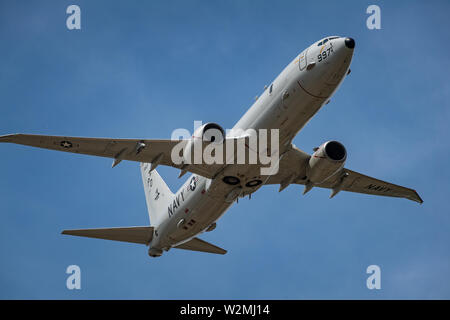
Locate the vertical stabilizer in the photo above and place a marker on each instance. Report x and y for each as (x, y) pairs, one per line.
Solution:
(157, 194)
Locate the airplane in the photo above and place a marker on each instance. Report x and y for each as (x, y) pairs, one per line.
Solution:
(292, 99)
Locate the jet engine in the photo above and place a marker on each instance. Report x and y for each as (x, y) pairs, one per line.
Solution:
(326, 161)
(207, 133)
(210, 132)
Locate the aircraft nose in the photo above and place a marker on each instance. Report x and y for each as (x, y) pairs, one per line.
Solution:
(326, 65)
(349, 43)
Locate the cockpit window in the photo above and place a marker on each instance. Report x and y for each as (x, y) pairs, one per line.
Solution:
(325, 41)
(270, 89)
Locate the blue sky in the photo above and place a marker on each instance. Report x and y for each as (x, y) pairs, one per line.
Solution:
(141, 69)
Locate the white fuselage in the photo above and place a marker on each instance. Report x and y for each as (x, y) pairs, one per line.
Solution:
(294, 97)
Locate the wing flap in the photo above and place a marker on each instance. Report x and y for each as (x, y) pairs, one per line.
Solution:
(141, 235)
(197, 244)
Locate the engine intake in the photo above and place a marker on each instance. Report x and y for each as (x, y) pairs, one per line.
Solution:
(326, 161)
(335, 151)
(209, 133)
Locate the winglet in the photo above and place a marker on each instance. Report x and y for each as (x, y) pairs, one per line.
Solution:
(416, 197)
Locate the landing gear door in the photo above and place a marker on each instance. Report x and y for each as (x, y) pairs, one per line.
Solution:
(302, 60)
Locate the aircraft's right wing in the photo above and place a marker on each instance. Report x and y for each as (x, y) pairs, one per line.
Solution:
(197, 244)
(293, 170)
(360, 183)
(141, 150)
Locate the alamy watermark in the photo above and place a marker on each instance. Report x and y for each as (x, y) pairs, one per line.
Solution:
(374, 20)
(74, 279)
(73, 22)
(210, 144)
(374, 280)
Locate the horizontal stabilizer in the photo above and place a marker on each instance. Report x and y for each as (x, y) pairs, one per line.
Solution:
(197, 244)
(141, 235)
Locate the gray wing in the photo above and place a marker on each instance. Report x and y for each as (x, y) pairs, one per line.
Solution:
(293, 170)
(140, 150)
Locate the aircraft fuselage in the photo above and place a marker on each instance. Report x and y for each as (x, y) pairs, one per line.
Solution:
(288, 103)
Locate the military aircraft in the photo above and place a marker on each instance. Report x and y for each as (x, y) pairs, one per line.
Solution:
(292, 99)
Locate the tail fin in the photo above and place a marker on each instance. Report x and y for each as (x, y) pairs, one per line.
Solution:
(157, 194)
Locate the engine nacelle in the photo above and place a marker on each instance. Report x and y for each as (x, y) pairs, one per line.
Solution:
(207, 133)
(327, 160)
(210, 132)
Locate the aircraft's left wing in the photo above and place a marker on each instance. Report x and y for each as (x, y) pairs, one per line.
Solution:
(293, 170)
(141, 150)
